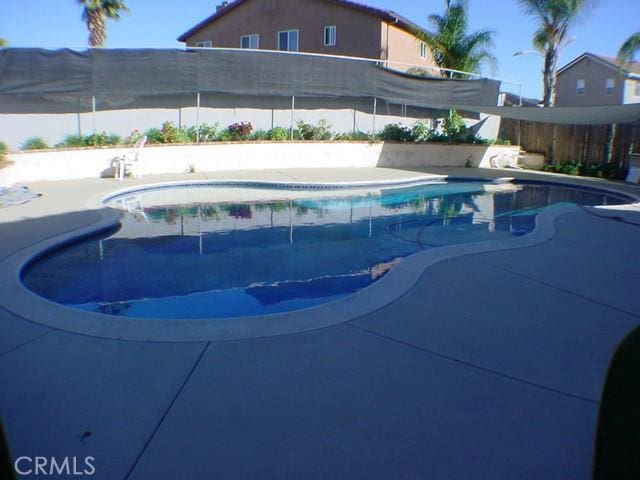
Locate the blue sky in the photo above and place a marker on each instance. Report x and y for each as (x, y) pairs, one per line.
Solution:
(153, 23)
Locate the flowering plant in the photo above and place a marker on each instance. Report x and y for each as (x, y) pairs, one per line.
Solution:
(240, 130)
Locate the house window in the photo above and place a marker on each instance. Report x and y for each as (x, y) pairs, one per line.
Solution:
(637, 92)
(423, 50)
(329, 36)
(204, 44)
(580, 84)
(250, 41)
(609, 85)
(288, 40)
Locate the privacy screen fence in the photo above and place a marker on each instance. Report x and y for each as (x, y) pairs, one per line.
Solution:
(69, 81)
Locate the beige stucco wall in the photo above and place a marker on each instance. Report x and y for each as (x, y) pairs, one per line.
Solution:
(595, 75)
(404, 48)
(357, 33)
(96, 163)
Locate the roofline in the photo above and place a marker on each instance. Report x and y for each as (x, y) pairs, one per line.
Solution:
(385, 15)
(599, 59)
(219, 13)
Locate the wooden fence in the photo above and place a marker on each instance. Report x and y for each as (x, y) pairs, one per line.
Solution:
(591, 145)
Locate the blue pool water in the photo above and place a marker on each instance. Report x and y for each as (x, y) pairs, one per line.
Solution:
(214, 251)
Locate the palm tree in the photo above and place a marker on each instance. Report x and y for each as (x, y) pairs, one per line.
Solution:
(96, 13)
(556, 18)
(452, 46)
(629, 48)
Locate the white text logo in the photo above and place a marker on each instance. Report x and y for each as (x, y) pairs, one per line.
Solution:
(55, 466)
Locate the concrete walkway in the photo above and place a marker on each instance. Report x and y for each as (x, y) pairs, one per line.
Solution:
(491, 366)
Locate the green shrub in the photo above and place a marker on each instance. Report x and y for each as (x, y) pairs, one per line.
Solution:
(420, 132)
(102, 139)
(567, 168)
(72, 140)
(497, 141)
(224, 136)
(394, 132)
(453, 125)
(172, 134)
(34, 143)
(154, 135)
(307, 131)
(278, 134)
(353, 136)
(94, 140)
(3, 153)
(133, 137)
(208, 133)
(259, 135)
(169, 133)
(607, 170)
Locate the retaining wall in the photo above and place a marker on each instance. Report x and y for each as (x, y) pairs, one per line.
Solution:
(95, 163)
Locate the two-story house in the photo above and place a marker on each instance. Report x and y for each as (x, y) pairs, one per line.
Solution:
(594, 80)
(333, 27)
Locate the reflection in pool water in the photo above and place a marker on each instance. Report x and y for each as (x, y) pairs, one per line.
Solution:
(198, 253)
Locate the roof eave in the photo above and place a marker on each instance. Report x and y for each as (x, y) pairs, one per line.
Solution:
(209, 19)
(597, 58)
(385, 15)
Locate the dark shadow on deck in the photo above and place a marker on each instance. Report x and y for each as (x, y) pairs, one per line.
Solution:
(618, 439)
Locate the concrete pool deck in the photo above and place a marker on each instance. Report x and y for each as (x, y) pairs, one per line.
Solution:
(491, 366)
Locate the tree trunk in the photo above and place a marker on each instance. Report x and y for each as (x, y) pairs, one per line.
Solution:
(97, 28)
(610, 153)
(550, 76)
(549, 99)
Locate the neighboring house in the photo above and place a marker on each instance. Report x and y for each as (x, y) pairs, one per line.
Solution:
(592, 80)
(508, 99)
(334, 27)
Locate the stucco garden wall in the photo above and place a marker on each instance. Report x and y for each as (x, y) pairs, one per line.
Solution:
(95, 163)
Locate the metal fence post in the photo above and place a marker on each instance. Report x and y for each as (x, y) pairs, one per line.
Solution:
(373, 128)
(293, 108)
(78, 119)
(198, 117)
(93, 113)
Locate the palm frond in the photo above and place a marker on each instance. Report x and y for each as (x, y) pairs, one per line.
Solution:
(112, 8)
(629, 48)
(540, 39)
(451, 44)
(481, 38)
(438, 22)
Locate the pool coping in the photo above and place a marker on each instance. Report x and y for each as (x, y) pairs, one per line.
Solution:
(20, 301)
(292, 185)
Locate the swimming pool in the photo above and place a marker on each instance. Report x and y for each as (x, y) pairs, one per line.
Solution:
(189, 252)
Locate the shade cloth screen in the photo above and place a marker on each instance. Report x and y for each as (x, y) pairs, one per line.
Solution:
(65, 81)
(68, 81)
(603, 115)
